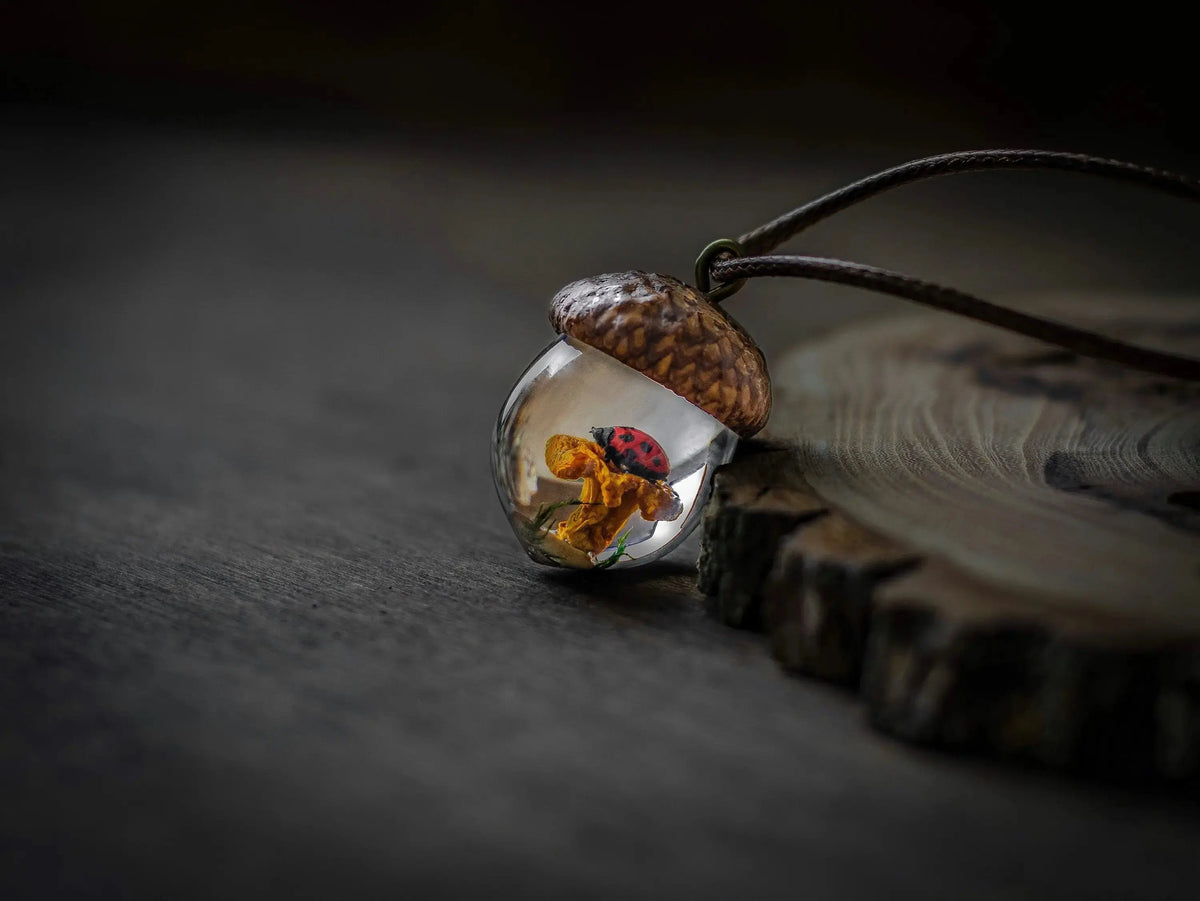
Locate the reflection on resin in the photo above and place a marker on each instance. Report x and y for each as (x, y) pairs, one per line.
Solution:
(625, 494)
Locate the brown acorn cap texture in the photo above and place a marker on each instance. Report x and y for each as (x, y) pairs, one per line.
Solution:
(673, 334)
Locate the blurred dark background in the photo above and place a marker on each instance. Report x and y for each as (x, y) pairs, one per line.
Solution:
(860, 73)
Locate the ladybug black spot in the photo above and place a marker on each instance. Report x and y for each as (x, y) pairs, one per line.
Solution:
(647, 447)
(657, 461)
(627, 437)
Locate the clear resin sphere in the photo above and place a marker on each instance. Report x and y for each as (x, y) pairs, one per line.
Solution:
(598, 465)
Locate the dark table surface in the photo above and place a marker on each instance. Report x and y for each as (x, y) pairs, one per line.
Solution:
(264, 629)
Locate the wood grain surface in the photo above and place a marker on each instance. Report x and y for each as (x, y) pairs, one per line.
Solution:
(999, 539)
(264, 629)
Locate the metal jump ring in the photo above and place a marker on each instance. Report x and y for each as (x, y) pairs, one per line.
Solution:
(723, 246)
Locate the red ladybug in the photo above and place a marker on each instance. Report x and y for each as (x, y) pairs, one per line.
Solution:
(632, 450)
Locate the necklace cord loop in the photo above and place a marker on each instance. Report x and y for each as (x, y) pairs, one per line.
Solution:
(720, 250)
(730, 263)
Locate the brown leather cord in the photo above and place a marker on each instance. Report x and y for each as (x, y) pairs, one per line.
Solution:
(771, 235)
(1077, 340)
(728, 267)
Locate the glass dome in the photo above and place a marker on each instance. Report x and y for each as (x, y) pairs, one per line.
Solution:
(599, 466)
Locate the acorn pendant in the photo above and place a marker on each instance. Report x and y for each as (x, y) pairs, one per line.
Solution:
(605, 449)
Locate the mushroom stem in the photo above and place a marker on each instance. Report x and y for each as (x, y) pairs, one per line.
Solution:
(608, 497)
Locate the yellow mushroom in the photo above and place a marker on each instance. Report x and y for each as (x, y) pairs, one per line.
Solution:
(608, 497)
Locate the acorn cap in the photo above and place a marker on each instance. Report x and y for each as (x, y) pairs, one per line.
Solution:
(673, 334)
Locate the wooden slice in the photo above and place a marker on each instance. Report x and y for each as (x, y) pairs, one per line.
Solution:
(997, 541)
